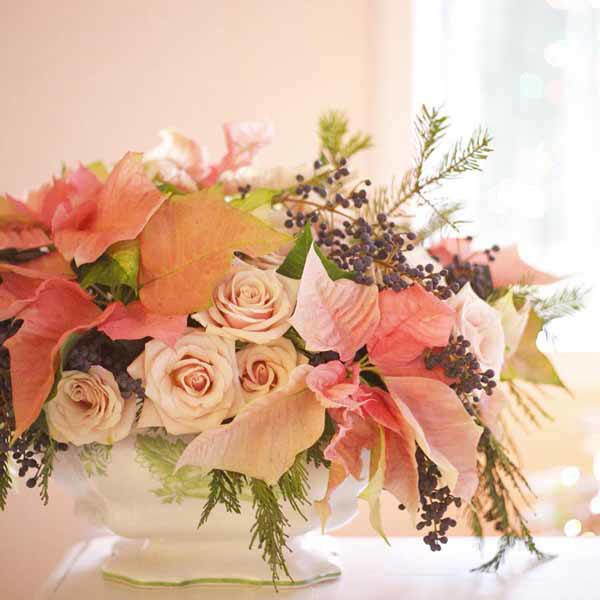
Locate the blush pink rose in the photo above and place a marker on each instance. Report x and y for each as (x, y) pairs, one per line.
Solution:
(481, 324)
(334, 384)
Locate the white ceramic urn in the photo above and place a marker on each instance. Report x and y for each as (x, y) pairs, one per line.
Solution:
(131, 489)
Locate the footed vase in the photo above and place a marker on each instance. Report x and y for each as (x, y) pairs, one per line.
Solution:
(131, 490)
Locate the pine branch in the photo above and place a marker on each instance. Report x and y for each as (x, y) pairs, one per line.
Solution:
(333, 129)
(6, 429)
(562, 303)
(430, 128)
(225, 488)
(441, 217)
(268, 531)
(527, 403)
(494, 501)
(293, 486)
(46, 469)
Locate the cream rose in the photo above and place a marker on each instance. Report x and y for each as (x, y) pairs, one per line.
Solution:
(479, 323)
(88, 407)
(265, 368)
(252, 305)
(191, 386)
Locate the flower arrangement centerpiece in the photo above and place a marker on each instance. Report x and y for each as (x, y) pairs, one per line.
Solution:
(195, 342)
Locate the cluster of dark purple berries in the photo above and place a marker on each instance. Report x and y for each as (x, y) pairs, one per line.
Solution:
(435, 502)
(29, 449)
(461, 272)
(461, 365)
(95, 348)
(28, 452)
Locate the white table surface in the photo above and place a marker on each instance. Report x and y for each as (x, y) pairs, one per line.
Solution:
(407, 570)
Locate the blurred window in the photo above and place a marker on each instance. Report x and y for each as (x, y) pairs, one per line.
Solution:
(530, 72)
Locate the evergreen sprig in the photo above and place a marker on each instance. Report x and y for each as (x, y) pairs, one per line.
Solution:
(418, 182)
(444, 215)
(335, 145)
(499, 479)
(268, 532)
(6, 429)
(225, 488)
(562, 303)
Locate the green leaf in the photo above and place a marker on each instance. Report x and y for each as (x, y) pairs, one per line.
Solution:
(118, 267)
(168, 189)
(255, 199)
(528, 363)
(95, 459)
(160, 455)
(99, 169)
(293, 265)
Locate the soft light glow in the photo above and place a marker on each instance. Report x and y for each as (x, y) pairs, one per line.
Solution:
(570, 476)
(597, 466)
(588, 534)
(572, 528)
(595, 505)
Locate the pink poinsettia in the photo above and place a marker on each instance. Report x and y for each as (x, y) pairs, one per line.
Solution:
(507, 268)
(114, 212)
(411, 320)
(334, 315)
(58, 309)
(333, 385)
(134, 322)
(19, 227)
(265, 438)
(21, 281)
(182, 162)
(415, 411)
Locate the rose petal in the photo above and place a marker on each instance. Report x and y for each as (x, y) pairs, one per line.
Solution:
(119, 212)
(58, 309)
(262, 441)
(333, 315)
(443, 429)
(133, 322)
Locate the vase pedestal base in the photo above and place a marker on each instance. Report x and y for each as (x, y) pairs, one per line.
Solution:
(183, 563)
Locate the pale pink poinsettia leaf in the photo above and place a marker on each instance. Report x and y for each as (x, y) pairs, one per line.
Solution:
(244, 140)
(353, 435)
(508, 268)
(445, 250)
(59, 309)
(333, 315)
(443, 429)
(23, 238)
(181, 152)
(19, 227)
(134, 321)
(119, 212)
(333, 385)
(336, 476)
(263, 440)
(21, 281)
(411, 320)
(401, 473)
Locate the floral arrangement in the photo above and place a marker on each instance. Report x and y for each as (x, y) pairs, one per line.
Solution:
(284, 318)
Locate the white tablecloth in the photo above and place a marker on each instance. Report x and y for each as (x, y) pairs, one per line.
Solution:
(407, 570)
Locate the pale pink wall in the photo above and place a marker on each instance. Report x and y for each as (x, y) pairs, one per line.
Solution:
(87, 80)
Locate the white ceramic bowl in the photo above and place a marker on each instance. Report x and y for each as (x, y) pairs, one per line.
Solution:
(133, 493)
